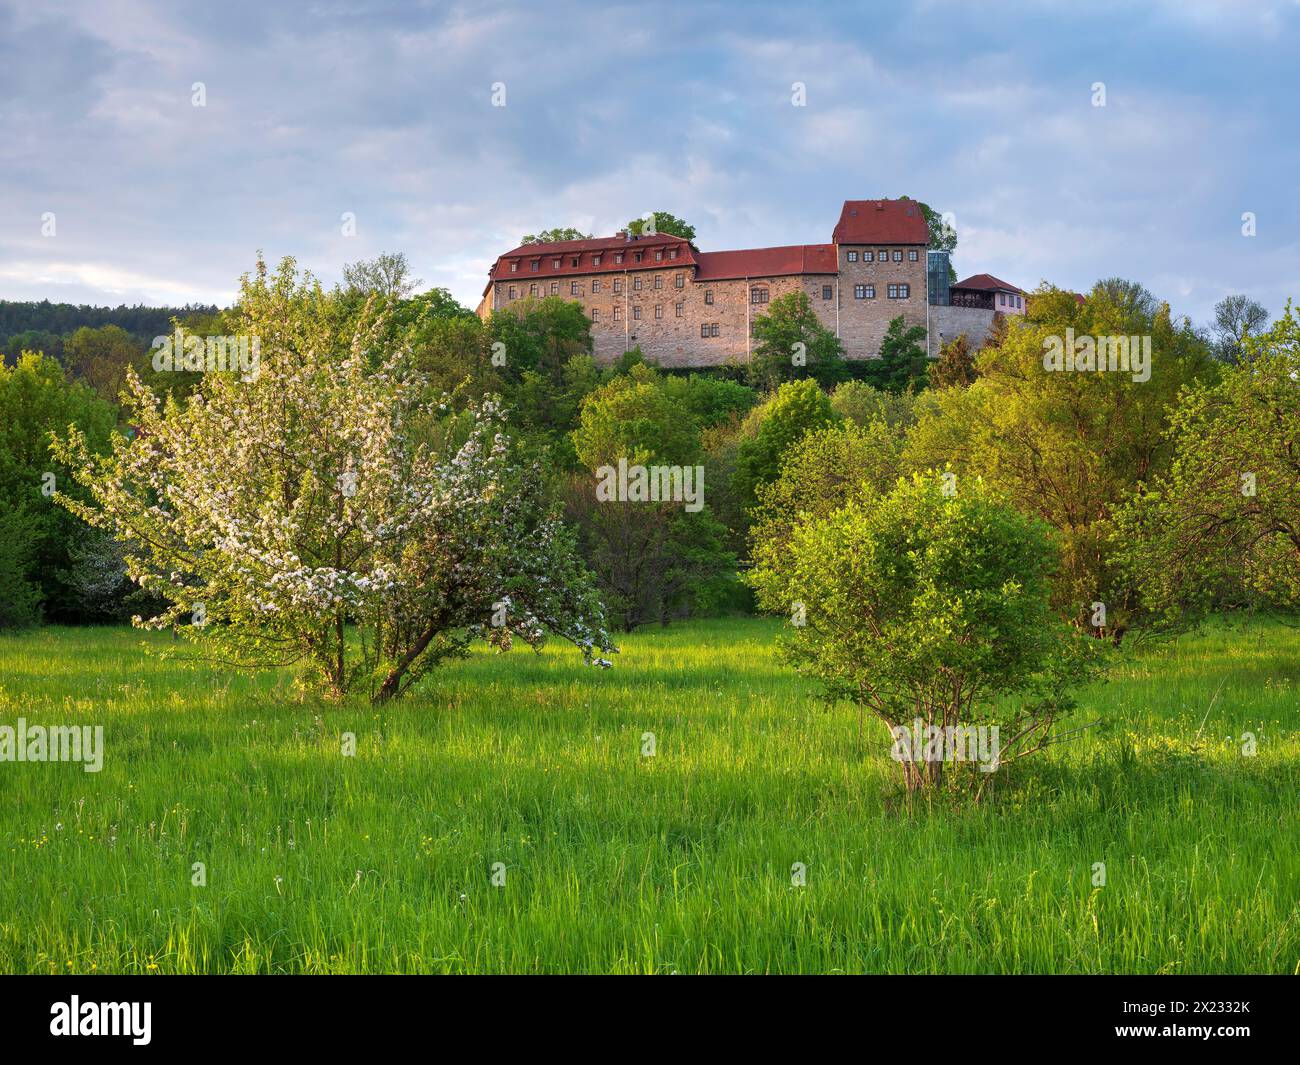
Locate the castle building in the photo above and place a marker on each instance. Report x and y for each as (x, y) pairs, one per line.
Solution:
(685, 307)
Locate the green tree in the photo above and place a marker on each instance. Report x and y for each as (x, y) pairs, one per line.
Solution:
(825, 470)
(791, 342)
(1068, 447)
(797, 408)
(100, 357)
(903, 365)
(863, 404)
(539, 335)
(1221, 527)
(554, 236)
(923, 607)
(387, 275)
(663, 222)
(37, 401)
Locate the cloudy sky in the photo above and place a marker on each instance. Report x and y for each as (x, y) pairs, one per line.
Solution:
(385, 111)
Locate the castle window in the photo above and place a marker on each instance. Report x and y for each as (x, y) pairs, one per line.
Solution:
(576, 259)
(827, 292)
(555, 288)
(618, 257)
(532, 289)
(595, 260)
(672, 253)
(853, 257)
(618, 312)
(680, 281)
(659, 255)
(512, 292)
(595, 314)
(704, 329)
(681, 308)
(636, 284)
(898, 256)
(636, 313)
(868, 256)
(714, 329)
(555, 263)
(514, 266)
(708, 296)
(573, 289)
(912, 255)
(900, 292)
(883, 255)
(659, 280)
(595, 285)
(758, 295)
(618, 285)
(659, 310)
(859, 292)
(534, 265)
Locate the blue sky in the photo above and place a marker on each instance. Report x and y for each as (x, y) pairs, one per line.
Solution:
(385, 111)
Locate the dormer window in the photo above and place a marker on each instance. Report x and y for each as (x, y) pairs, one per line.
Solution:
(514, 266)
(659, 255)
(618, 257)
(555, 263)
(576, 259)
(672, 253)
(637, 256)
(535, 264)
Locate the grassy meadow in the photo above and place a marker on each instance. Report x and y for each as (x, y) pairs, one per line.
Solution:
(614, 861)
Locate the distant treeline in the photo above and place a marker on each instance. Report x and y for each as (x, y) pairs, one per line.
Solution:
(42, 325)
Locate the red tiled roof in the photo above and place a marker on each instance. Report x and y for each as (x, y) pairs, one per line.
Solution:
(766, 262)
(584, 250)
(881, 222)
(987, 283)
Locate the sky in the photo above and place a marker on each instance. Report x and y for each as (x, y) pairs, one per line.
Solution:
(116, 188)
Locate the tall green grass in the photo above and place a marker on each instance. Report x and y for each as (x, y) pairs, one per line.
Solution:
(618, 862)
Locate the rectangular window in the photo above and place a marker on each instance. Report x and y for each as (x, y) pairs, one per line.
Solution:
(708, 296)
(636, 256)
(595, 314)
(595, 260)
(512, 291)
(618, 257)
(575, 260)
(827, 292)
(595, 285)
(636, 313)
(534, 265)
(681, 309)
(1002, 299)
(898, 256)
(853, 257)
(618, 313)
(912, 255)
(573, 289)
(758, 295)
(514, 268)
(714, 329)
(882, 255)
(1018, 303)
(868, 256)
(555, 263)
(680, 281)
(900, 292)
(555, 288)
(672, 253)
(618, 285)
(659, 280)
(636, 284)
(532, 290)
(659, 255)
(859, 292)
(704, 329)
(893, 292)
(659, 310)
